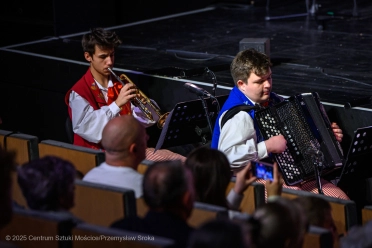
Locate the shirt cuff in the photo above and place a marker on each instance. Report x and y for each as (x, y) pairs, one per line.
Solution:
(234, 200)
(114, 108)
(273, 198)
(261, 150)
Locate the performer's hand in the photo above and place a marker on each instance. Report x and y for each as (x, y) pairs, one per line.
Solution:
(276, 144)
(337, 131)
(244, 179)
(274, 187)
(127, 93)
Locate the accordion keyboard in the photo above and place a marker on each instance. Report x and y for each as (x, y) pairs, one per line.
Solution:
(287, 120)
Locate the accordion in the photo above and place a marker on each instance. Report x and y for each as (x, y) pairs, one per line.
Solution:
(304, 123)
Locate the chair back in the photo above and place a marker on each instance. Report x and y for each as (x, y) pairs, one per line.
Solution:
(141, 207)
(142, 167)
(25, 146)
(204, 212)
(102, 204)
(17, 194)
(83, 158)
(29, 228)
(318, 237)
(366, 214)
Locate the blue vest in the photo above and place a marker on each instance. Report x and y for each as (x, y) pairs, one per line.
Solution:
(236, 97)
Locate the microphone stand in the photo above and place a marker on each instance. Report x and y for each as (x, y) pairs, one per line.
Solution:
(317, 167)
(214, 79)
(317, 157)
(206, 113)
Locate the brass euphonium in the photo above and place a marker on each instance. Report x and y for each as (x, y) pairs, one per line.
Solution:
(143, 102)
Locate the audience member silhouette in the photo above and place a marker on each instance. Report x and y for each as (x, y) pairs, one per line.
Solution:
(212, 175)
(48, 184)
(218, 233)
(125, 141)
(319, 213)
(278, 224)
(168, 192)
(358, 237)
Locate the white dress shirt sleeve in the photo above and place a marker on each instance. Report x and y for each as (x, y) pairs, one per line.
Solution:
(238, 140)
(87, 122)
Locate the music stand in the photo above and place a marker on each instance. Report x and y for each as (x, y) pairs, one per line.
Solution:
(187, 123)
(360, 152)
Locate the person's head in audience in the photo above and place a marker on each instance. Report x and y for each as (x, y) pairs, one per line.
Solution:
(48, 183)
(278, 224)
(168, 187)
(218, 233)
(212, 174)
(7, 164)
(358, 236)
(319, 213)
(125, 141)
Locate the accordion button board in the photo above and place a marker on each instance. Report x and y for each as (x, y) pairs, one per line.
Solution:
(310, 139)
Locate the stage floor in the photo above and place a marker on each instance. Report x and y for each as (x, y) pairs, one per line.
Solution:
(328, 52)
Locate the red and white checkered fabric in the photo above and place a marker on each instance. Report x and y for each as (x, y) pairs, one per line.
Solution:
(162, 155)
(329, 189)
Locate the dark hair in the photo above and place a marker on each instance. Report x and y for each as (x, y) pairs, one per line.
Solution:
(315, 208)
(358, 236)
(7, 165)
(278, 224)
(47, 183)
(248, 61)
(217, 233)
(106, 39)
(212, 174)
(164, 184)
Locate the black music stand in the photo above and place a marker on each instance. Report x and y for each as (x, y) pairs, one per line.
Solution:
(360, 152)
(187, 123)
(356, 171)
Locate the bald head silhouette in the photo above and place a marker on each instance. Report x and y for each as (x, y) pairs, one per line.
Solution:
(125, 141)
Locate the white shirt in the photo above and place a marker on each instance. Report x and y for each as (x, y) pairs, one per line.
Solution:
(238, 140)
(124, 177)
(89, 123)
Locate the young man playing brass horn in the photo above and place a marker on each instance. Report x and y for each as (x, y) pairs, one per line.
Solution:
(99, 97)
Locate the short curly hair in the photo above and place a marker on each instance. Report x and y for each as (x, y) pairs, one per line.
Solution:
(102, 38)
(45, 181)
(248, 61)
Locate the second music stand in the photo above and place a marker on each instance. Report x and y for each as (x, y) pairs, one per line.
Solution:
(360, 153)
(187, 123)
